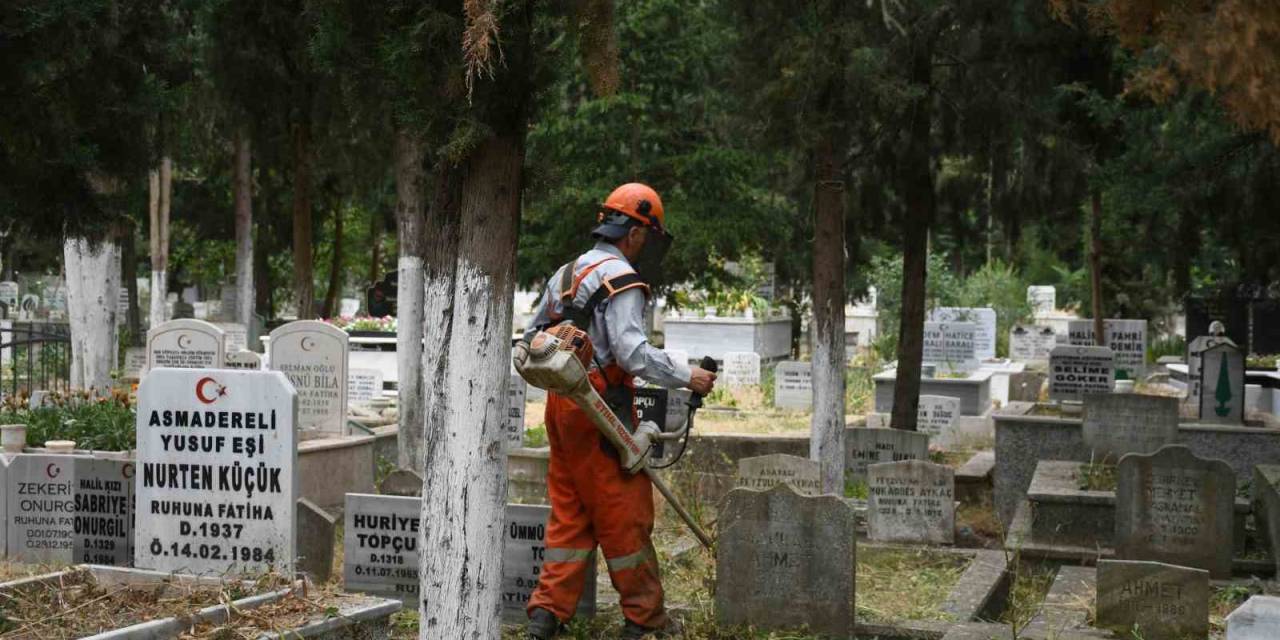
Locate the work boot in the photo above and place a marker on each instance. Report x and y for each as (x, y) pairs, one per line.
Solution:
(633, 631)
(542, 625)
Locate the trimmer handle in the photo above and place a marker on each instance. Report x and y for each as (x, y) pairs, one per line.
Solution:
(695, 398)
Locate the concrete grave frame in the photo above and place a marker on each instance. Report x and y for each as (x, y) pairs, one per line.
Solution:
(714, 336)
(974, 391)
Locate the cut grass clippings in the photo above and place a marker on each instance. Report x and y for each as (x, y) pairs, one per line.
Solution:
(1031, 583)
(905, 584)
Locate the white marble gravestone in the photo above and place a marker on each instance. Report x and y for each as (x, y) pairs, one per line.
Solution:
(1043, 299)
(793, 385)
(937, 417)
(244, 360)
(134, 365)
(984, 321)
(380, 545)
(313, 355)
(523, 552)
(1257, 619)
(911, 501)
(237, 334)
(1221, 398)
(1126, 338)
(1031, 343)
(40, 496)
(741, 368)
(1076, 371)
(186, 344)
(216, 482)
(363, 386)
(951, 345)
(104, 510)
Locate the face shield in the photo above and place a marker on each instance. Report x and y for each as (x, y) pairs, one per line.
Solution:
(649, 263)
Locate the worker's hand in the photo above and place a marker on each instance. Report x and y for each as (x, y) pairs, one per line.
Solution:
(702, 381)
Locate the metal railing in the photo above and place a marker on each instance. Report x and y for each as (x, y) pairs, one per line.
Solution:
(34, 356)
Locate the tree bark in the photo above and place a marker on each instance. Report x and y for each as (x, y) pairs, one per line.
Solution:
(159, 192)
(334, 291)
(1095, 266)
(93, 287)
(303, 284)
(375, 256)
(464, 488)
(242, 187)
(826, 439)
(412, 240)
(129, 277)
(920, 204)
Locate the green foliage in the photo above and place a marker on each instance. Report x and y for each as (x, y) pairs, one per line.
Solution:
(885, 274)
(997, 285)
(1171, 345)
(103, 425)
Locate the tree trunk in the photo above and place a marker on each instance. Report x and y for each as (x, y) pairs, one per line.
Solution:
(263, 301)
(159, 192)
(920, 204)
(464, 489)
(129, 276)
(1095, 267)
(439, 265)
(242, 187)
(334, 291)
(303, 284)
(412, 240)
(93, 287)
(826, 438)
(375, 256)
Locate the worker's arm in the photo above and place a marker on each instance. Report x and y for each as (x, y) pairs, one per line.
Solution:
(546, 304)
(624, 321)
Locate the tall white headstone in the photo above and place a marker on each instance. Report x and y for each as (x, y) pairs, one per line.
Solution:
(1076, 371)
(984, 330)
(363, 386)
(40, 497)
(380, 545)
(314, 356)
(186, 344)
(793, 385)
(104, 510)
(741, 368)
(216, 482)
(950, 345)
(1028, 343)
(523, 552)
(1126, 338)
(1043, 299)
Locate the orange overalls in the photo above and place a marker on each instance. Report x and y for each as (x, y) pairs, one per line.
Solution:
(594, 501)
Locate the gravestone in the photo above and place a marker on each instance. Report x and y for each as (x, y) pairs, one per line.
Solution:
(1221, 385)
(104, 510)
(216, 478)
(937, 417)
(1043, 299)
(523, 552)
(1120, 423)
(1031, 343)
(41, 509)
(237, 334)
(741, 368)
(1161, 601)
(244, 360)
(1257, 619)
(911, 501)
(1266, 507)
(9, 297)
(1025, 386)
(314, 356)
(793, 385)
(380, 546)
(950, 345)
(864, 446)
(135, 364)
(763, 472)
(28, 308)
(363, 386)
(1127, 339)
(1194, 351)
(403, 483)
(784, 561)
(1076, 371)
(513, 435)
(185, 344)
(984, 321)
(1174, 507)
(317, 530)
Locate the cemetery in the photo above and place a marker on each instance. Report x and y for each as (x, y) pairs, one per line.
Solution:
(645, 320)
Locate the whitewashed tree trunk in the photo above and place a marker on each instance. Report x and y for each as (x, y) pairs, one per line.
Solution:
(411, 229)
(243, 187)
(159, 192)
(826, 439)
(93, 286)
(464, 489)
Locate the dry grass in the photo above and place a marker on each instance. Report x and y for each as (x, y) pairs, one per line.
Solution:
(294, 610)
(1031, 583)
(905, 584)
(1097, 476)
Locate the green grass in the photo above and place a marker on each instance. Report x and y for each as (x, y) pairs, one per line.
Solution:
(104, 424)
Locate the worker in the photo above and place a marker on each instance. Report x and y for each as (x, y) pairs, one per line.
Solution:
(593, 499)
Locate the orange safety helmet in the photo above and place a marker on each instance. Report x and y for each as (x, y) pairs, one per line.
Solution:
(638, 201)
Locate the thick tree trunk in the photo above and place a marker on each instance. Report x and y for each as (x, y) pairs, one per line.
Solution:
(303, 284)
(464, 488)
(412, 239)
(439, 265)
(129, 278)
(242, 187)
(826, 438)
(160, 189)
(1095, 266)
(93, 287)
(334, 291)
(920, 203)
